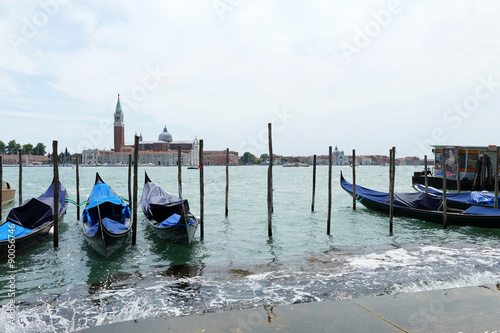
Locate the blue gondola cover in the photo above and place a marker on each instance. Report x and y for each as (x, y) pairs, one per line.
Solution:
(478, 210)
(483, 198)
(13, 230)
(109, 203)
(111, 225)
(405, 200)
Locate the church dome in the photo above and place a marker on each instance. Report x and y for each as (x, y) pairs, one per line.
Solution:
(165, 136)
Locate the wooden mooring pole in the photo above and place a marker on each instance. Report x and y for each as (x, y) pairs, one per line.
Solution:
(270, 184)
(1, 186)
(227, 182)
(179, 171)
(354, 179)
(392, 176)
(443, 168)
(496, 177)
(134, 200)
(130, 180)
(457, 159)
(314, 183)
(329, 219)
(77, 190)
(56, 193)
(20, 178)
(202, 191)
(425, 175)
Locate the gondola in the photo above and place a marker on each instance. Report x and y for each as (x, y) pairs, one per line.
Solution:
(424, 207)
(462, 200)
(106, 219)
(30, 223)
(171, 220)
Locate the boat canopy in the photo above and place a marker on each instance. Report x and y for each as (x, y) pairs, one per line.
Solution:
(36, 211)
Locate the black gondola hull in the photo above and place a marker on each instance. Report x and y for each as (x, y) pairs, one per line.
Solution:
(106, 242)
(179, 234)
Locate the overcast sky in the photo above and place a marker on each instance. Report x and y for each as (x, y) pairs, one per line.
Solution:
(364, 75)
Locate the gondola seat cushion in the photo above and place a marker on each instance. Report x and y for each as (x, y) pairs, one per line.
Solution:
(173, 220)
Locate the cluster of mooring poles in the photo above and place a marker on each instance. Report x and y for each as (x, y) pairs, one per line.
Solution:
(133, 193)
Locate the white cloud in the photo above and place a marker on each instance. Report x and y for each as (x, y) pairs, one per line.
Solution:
(226, 76)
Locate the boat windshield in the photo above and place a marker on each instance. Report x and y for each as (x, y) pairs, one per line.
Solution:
(5, 185)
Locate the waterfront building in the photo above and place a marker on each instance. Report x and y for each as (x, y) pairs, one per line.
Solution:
(163, 151)
(219, 157)
(338, 157)
(27, 159)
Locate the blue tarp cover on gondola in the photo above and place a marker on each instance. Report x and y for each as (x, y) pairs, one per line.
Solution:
(475, 197)
(110, 205)
(417, 200)
(111, 225)
(13, 230)
(410, 200)
(173, 220)
(102, 192)
(36, 211)
(365, 192)
(478, 210)
(483, 198)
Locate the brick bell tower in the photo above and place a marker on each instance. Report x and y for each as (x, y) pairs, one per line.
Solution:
(119, 126)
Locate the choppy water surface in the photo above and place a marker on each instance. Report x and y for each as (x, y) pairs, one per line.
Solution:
(237, 266)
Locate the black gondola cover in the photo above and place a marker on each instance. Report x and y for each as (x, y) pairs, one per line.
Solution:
(36, 211)
(159, 203)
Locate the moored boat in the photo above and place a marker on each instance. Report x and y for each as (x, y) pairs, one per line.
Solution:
(422, 206)
(167, 214)
(470, 167)
(106, 219)
(30, 223)
(8, 193)
(295, 165)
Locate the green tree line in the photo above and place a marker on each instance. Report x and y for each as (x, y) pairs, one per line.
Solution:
(249, 158)
(13, 148)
